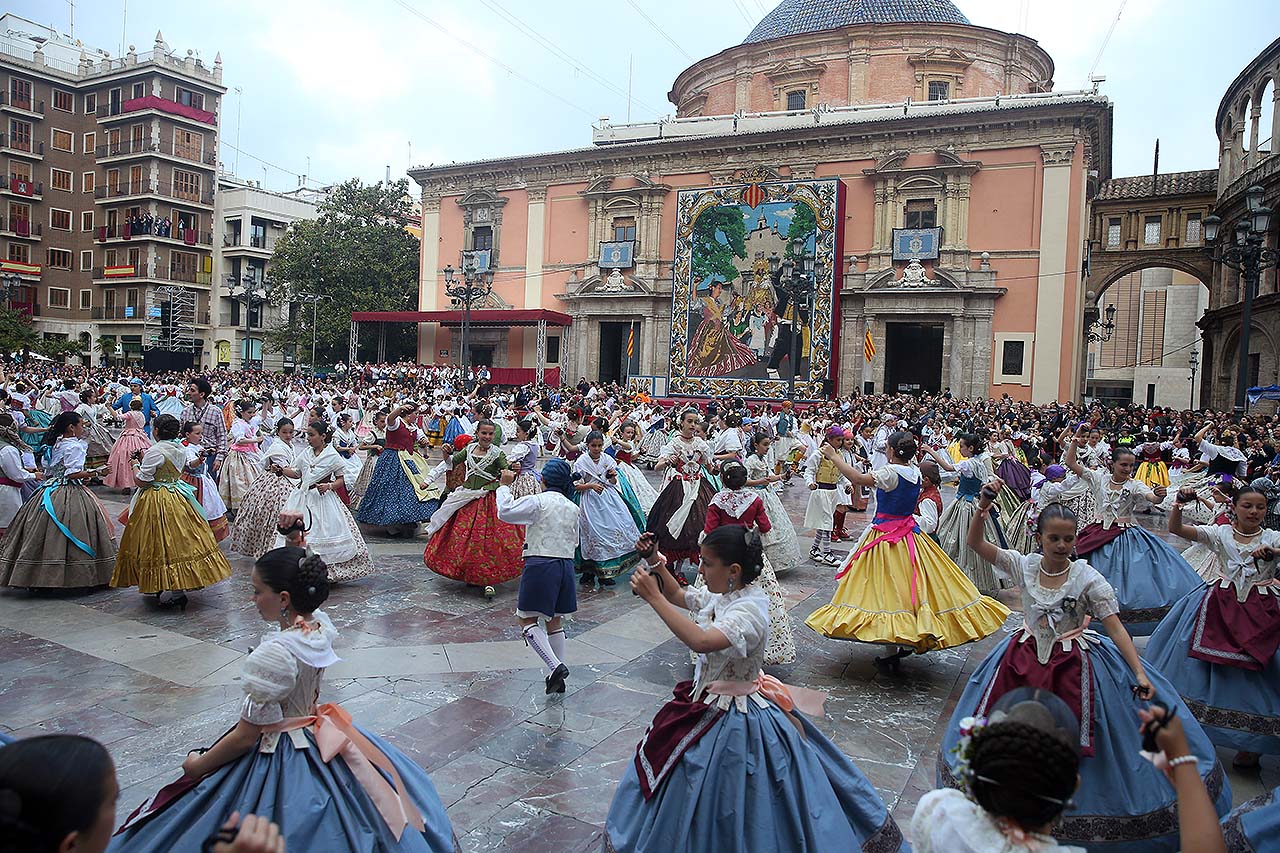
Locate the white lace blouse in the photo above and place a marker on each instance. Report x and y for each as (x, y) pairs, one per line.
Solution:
(1239, 569)
(1116, 505)
(1052, 613)
(281, 677)
(743, 617)
(946, 821)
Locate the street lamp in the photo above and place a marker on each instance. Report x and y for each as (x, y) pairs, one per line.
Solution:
(1100, 332)
(476, 285)
(315, 310)
(250, 297)
(1249, 256)
(1193, 362)
(796, 274)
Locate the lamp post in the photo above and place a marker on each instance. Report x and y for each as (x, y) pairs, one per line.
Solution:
(1249, 256)
(9, 283)
(475, 286)
(1193, 362)
(315, 311)
(1100, 332)
(250, 297)
(797, 275)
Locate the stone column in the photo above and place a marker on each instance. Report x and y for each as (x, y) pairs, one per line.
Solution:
(428, 283)
(1053, 279)
(535, 242)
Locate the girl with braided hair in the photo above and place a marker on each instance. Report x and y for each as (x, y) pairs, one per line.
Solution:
(732, 761)
(271, 762)
(1123, 803)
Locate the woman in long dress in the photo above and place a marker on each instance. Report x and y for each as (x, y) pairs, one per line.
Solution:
(254, 531)
(399, 493)
(167, 545)
(524, 454)
(1220, 644)
(13, 475)
(132, 441)
(347, 443)
(95, 430)
(626, 445)
(680, 512)
(1148, 575)
(330, 528)
(898, 588)
(328, 783)
(243, 461)
(607, 531)
(732, 761)
(466, 540)
(372, 443)
(781, 545)
(975, 470)
(714, 351)
(1123, 802)
(196, 473)
(61, 537)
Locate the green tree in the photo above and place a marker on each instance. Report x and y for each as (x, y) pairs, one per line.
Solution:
(105, 346)
(357, 252)
(58, 349)
(719, 236)
(804, 224)
(16, 333)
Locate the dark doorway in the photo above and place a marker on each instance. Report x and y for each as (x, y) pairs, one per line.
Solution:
(613, 351)
(913, 358)
(481, 355)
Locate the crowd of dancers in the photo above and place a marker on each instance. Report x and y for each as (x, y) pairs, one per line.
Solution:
(1063, 734)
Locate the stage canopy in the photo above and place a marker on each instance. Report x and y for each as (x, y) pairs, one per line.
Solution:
(479, 317)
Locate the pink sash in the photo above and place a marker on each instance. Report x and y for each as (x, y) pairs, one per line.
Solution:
(894, 529)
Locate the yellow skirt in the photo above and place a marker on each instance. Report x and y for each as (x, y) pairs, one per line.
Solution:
(873, 604)
(953, 450)
(167, 545)
(1154, 474)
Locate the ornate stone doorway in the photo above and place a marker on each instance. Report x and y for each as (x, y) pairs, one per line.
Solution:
(913, 358)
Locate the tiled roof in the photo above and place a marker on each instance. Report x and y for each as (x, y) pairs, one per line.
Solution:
(793, 17)
(1204, 181)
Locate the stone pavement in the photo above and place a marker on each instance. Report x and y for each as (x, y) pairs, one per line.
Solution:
(443, 674)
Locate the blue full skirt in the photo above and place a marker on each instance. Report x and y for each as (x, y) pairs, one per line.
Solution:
(1148, 576)
(1255, 825)
(452, 430)
(752, 783)
(390, 498)
(1123, 803)
(319, 807)
(632, 500)
(1239, 708)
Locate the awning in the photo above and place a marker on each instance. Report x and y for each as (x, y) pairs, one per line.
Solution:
(479, 317)
(1269, 392)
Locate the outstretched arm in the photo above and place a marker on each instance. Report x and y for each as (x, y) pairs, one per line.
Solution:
(975, 538)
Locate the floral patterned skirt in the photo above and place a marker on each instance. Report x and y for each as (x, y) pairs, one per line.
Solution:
(475, 547)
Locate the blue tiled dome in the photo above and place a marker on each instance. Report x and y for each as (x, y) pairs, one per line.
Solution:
(793, 17)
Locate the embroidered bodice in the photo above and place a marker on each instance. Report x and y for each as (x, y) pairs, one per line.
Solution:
(400, 436)
(1239, 569)
(67, 457)
(1052, 614)
(595, 471)
(743, 617)
(282, 676)
(162, 463)
(973, 471)
(525, 453)
(693, 454)
(758, 469)
(481, 469)
(1115, 504)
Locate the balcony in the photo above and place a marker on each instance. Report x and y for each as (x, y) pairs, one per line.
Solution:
(24, 187)
(261, 246)
(154, 230)
(21, 106)
(146, 148)
(154, 103)
(11, 226)
(127, 189)
(139, 272)
(10, 144)
(132, 313)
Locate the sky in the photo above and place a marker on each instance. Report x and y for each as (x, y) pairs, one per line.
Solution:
(333, 90)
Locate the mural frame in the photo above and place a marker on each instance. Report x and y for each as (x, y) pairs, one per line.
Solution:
(826, 197)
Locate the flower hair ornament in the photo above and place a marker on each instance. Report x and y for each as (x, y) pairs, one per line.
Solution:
(963, 751)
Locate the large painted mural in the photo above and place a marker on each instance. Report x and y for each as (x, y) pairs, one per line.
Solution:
(732, 327)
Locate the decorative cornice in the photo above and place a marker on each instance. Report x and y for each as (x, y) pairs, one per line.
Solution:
(1058, 155)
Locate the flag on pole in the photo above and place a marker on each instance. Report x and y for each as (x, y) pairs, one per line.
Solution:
(869, 347)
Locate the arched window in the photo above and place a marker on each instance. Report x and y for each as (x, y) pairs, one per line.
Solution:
(1266, 120)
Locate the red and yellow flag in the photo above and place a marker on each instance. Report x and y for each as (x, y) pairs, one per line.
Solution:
(869, 346)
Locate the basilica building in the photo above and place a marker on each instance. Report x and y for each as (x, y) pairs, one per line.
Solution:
(927, 164)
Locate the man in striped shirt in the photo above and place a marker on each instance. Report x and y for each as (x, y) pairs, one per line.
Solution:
(200, 410)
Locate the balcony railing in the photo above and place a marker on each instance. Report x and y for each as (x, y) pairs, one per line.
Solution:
(155, 228)
(21, 227)
(32, 106)
(131, 147)
(155, 102)
(130, 188)
(132, 312)
(18, 185)
(175, 274)
(232, 241)
(12, 143)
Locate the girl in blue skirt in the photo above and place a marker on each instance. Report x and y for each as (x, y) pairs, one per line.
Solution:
(1220, 645)
(729, 763)
(1147, 575)
(1124, 802)
(329, 784)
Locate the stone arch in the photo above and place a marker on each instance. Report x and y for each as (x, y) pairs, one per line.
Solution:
(1107, 274)
(1266, 100)
(1248, 128)
(1262, 341)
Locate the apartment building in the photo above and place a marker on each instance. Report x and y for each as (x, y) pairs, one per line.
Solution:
(107, 216)
(249, 221)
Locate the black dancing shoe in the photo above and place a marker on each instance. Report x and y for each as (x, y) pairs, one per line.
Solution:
(555, 681)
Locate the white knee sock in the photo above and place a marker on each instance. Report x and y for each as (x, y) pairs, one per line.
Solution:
(557, 643)
(536, 636)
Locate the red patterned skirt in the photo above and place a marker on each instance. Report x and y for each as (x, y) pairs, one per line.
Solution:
(1068, 674)
(1237, 633)
(475, 547)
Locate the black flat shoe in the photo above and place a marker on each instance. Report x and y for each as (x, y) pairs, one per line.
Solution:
(555, 681)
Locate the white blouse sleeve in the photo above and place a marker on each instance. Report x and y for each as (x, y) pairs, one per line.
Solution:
(1100, 596)
(513, 510)
(696, 598)
(745, 622)
(1008, 565)
(151, 462)
(268, 676)
(886, 478)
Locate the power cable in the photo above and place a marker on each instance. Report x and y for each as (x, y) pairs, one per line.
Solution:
(1107, 39)
(660, 30)
(742, 10)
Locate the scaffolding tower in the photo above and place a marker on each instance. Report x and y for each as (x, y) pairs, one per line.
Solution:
(171, 319)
